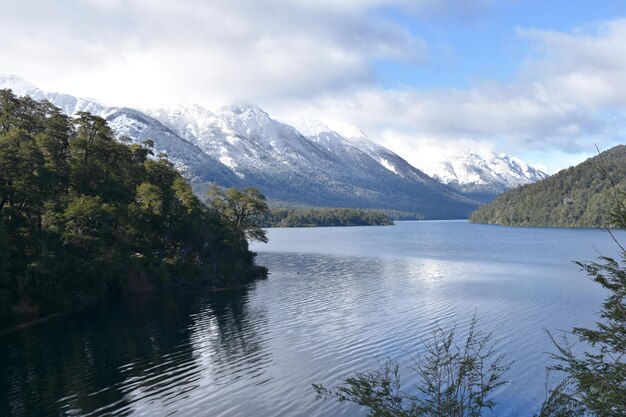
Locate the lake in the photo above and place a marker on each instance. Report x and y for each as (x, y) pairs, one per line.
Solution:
(338, 300)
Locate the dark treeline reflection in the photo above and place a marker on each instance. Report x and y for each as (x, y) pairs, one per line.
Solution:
(110, 357)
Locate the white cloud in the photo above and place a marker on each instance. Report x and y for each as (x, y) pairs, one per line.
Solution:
(586, 66)
(315, 58)
(208, 51)
(569, 95)
(205, 51)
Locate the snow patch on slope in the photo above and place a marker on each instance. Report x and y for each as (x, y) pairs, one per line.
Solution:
(388, 165)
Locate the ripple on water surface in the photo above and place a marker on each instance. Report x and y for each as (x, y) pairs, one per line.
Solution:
(337, 301)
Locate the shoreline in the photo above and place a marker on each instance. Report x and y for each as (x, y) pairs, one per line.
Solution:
(24, 319)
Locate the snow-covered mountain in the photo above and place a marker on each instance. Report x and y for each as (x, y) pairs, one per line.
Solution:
(358, 143)
(319, 167)
(199, 167)
(483, 173)
(240, 144)
(68, 104)
(479, 174)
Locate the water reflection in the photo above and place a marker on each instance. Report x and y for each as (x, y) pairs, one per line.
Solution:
(337, 301)
(136, 356)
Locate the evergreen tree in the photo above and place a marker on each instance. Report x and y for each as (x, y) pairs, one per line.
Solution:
(83, 215)
(240, 208)
(596, 379)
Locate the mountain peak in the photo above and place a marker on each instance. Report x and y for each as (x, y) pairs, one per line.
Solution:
(351, 132)
(573, 197)
(187, 112)
(241, 144)
(312, 127)
(18, 84)
(244, 108)
(483, 171)
(191, 108)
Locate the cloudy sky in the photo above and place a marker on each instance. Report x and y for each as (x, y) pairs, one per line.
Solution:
(541, 80)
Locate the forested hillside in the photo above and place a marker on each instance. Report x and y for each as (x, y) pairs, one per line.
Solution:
(323, 217)
(83, 215)
(579, 196)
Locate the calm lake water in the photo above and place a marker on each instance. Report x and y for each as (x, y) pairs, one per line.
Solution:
(338, 300)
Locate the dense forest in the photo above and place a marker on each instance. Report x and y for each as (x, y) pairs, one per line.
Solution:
(315, 217)
(579, 196)
(83, 215)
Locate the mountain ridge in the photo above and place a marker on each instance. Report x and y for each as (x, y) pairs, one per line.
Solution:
(579, 196)
(241, 144)
(263, 151)
(197, 166)
(483, 174)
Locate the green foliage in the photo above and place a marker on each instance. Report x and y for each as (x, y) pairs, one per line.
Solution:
(560, 403)
(4, 264)
(596, 380)
(618, 214)
(403, 215)
(580, 196)
(83, 215)
(454, 381)
(324, 217)
(240, 208)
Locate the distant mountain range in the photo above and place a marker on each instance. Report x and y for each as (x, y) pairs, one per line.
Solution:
(241, 145)
(483, 175)
(321, 170)
(580, 196)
